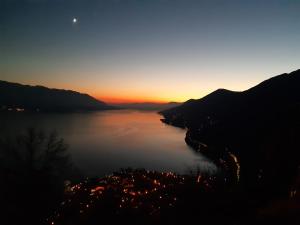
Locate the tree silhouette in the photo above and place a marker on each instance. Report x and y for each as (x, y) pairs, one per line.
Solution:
(33, 168)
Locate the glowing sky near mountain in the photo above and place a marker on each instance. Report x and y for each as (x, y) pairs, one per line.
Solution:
(147, 50)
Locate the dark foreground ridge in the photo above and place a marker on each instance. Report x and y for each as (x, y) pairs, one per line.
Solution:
(18, 97)
(259, 129)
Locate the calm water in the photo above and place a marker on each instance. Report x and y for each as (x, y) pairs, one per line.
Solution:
(103, 142)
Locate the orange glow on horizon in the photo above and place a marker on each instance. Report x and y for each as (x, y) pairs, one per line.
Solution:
(157, 97)
(122, 91)
(121, 100)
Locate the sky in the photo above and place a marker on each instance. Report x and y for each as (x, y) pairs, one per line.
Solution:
(148, 50)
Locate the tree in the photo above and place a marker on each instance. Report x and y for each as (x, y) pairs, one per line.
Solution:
(33, 168)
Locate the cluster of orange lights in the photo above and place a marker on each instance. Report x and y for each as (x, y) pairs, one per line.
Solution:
(137, 191)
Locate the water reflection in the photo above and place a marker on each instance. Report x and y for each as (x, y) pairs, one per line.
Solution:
(103, 142)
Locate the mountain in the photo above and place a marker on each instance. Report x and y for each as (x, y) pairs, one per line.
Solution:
(148, 105)
(258, 129)
(20, 97)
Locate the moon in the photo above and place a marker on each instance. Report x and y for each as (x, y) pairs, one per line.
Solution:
(74, 20)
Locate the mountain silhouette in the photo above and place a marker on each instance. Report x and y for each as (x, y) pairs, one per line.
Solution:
(260, 126)
(38, 98)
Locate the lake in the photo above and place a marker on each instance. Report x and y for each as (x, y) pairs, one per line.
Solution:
(105, 141)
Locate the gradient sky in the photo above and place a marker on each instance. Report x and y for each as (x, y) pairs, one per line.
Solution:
(148, 50)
